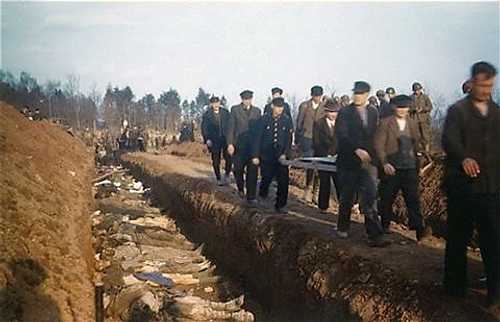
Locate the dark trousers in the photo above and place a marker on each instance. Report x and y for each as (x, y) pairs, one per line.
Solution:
(363, 181)
(243, 164)
(465, 211)
(216, 152)
(325, 180)
(307, 151)
(407, 181)
(269, 171)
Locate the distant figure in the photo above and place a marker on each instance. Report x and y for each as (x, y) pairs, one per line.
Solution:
(344, 101)
(310, 112)
(471, 137)
(186, 134)
(386, 109)
(141, 140)
(272, 143)
(422, 107)
(36, 115)
(373, 102)
(397, 146)
(356, 164)
(277, 92)
(214, 125)
(325, 145)
(242, 122)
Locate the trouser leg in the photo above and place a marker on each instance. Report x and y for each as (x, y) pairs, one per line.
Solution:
(409, 186)
(460, 225)
(216, 152)
(251, 179)
(389, 186)
(228, 161)
(283, 183)
(267, 175)
(368, 201)
(349, 181)
(489, 242)
(336, 183)
(239, 169)
(324, 190)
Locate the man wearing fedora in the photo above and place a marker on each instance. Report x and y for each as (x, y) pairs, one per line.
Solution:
(310, 112)
(325, 145)
(241, 127)
(357, 164)
(214, 125)
(398, 146)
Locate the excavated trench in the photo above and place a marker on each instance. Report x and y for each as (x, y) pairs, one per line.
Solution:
(294, 267)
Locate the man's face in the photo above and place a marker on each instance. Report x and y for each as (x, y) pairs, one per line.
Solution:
(418, 91)
(360, 99)
(331, 115)
(381, 97)
(215, 105)
(277, 110)
(316, 99)
(482, 87)
(247, 102)
(277, 94)
(401, 111)
(391, 95)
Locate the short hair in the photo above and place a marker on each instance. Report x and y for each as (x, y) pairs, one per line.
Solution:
(483, 67)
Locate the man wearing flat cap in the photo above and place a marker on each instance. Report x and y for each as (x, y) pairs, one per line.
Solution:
(242, 122)
(385, 108)
(397, 145)
(310, 112)
(271, 144)
(214, 125)
(277, 92)
(356, 164)
(421, 112)
(325, 145)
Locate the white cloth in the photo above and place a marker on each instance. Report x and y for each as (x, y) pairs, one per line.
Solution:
(331, 123)
(315, 105)
(401, 123)
(363, 113)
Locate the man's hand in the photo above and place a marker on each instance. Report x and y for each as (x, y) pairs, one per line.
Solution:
(209, 143)
(389, 169)
(471, 167)
(255, 161)
(230, 149)
(282, 157)
(363, 155)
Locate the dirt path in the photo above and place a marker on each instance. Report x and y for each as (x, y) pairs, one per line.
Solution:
(418, 267)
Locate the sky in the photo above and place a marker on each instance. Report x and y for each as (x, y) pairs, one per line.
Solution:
(227, 47)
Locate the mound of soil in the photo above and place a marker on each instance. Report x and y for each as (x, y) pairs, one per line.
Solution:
(46, 257)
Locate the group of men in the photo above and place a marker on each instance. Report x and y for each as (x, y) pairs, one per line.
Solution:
(378, 147)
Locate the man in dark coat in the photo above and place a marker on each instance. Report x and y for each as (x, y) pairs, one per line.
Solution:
(471, 140)
(278, 92)
(214, 126)
(242, 122)
(310, 112)
(385, 108)
(272, 143)
(356, 164)
(325, 145)
(398, 146)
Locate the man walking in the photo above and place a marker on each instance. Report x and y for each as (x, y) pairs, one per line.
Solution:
(214, 125)
(471, 137)
(272, 143)
(398, 145)
(242, 121)
(356, 164)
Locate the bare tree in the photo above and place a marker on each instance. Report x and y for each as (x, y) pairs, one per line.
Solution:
(72, 90)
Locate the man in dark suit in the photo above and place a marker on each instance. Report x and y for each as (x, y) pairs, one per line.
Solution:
(325, 145)
(398, 145)
(214, 126)
(356, 164)
(278, 92)
(242, 122)
(272, 143)
(471, 140)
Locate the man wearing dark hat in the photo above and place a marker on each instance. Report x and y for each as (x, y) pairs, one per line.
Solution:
(310, 112)
(422, 107)
(272, 143)
(471, 137)
(356, 164)
(397, 145)
(214, 125)
(278, 92)
(242, 122)
(385, 107)
(325, 145)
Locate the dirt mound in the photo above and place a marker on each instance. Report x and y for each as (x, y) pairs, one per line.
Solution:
(46, 258)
